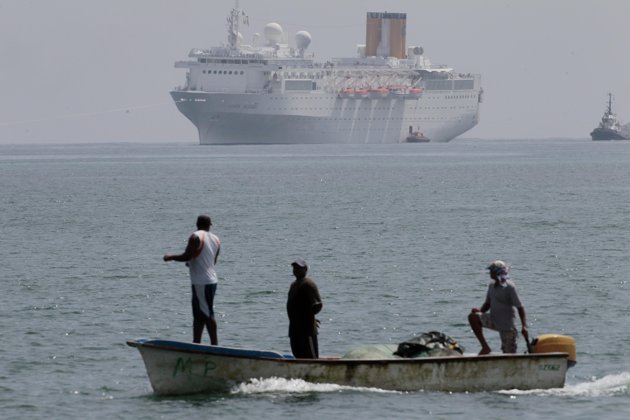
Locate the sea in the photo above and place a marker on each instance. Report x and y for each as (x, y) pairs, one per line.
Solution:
(397, 237)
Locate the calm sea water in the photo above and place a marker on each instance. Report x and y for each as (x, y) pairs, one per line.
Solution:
(397, 238)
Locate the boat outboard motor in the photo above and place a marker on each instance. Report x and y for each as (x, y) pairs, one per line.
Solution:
(548, 343)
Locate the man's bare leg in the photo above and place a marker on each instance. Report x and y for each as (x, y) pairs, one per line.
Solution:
(475, 324)
(197, 330)
(212, 330)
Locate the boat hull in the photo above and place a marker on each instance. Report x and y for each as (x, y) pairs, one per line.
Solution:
(183, 368)
(607, 134)
(223, 118)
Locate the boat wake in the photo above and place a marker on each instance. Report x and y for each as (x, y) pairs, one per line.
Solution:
(610, 385)
(274, 385)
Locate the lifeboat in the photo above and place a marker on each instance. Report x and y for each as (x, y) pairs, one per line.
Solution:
(361, 93)
(397, 90)
(415, 92)
(346, 93)
(379, 92)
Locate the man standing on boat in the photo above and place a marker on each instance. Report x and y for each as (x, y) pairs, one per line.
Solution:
(302, 305)
(200, 256)
(501, 299)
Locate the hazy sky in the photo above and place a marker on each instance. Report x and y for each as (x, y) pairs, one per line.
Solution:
(85, 71)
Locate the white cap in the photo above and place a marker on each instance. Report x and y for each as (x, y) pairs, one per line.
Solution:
(300, 262)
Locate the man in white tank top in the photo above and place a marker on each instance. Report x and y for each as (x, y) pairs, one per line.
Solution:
(201, 256)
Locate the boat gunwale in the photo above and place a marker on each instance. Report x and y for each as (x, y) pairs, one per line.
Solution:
(207, 350)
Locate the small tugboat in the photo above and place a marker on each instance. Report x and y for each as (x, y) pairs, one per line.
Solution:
(609, 128)
(416, 137)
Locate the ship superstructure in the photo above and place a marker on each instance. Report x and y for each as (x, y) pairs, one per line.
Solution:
(609, 127)
(269, 92)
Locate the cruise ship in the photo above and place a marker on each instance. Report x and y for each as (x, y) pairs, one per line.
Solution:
(270, 92)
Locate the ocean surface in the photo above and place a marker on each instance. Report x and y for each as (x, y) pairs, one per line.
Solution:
(397, 238)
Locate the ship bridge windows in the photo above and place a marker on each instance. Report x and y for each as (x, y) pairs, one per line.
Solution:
(464, 84)
(438, 85)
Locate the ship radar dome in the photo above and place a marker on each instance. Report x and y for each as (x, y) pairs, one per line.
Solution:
(302, 40)
(273, 33)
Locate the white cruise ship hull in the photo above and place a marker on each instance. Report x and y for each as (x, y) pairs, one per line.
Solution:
(319, 117)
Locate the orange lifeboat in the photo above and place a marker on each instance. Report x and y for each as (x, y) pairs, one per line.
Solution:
(379, 92)
(361, 93)
(415, 92)
(397, 89)
(346, 93)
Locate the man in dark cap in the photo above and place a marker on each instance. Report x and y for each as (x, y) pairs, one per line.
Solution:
(302, 305)
(201, 256)
(501, 299)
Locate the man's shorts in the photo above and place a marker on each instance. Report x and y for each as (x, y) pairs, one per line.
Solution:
(508, 338)
(203, 301)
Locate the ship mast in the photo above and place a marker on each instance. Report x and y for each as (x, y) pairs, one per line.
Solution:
(609, 102)
(232, 24)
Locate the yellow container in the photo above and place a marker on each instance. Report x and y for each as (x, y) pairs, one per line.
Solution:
(547, 343)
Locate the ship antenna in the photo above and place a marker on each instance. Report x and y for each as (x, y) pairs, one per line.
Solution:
(610, 102)
(233, 22)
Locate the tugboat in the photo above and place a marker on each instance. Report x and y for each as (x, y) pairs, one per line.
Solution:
(609, 128)
(416, 137)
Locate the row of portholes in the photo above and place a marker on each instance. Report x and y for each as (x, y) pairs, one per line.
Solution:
(350, 109)
(223, 72)
(456, 118)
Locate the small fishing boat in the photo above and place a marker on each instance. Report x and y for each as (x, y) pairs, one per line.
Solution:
(183, 368)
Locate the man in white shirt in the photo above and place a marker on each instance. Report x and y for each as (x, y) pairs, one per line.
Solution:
(200, 256)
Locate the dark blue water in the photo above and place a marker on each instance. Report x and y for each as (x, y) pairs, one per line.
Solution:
(397, 238)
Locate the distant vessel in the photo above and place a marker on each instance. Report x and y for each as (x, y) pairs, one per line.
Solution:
(268, 92)
(609, 128)
(416, 137)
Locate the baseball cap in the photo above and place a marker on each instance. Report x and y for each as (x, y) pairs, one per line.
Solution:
(299, 261)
